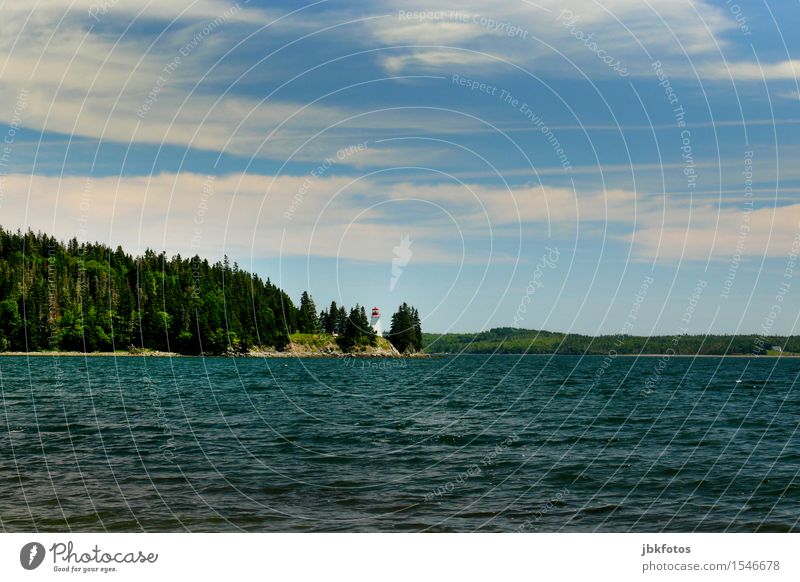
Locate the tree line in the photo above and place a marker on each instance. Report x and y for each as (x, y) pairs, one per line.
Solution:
(520, 341)
(89, 297)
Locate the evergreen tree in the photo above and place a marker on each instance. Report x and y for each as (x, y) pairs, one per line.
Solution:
(307, 318)
(405, 331)
(341, 321)
(417, 343)
(331, 323)
(358, 332)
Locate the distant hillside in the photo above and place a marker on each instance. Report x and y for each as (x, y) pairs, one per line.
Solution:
(507, 340)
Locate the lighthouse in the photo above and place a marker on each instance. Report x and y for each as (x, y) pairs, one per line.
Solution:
(375, 321)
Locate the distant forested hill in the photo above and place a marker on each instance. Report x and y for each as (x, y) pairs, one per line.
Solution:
(508, 340)
(88, 297)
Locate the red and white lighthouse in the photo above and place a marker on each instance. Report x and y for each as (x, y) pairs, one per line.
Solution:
(375, 321)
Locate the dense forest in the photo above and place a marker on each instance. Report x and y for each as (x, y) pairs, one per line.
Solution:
(87, 297)
(507, 340)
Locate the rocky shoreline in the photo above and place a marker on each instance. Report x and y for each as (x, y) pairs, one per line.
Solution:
(292, 351)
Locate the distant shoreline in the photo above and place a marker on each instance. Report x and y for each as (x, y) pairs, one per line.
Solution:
(360, 355)
(439, 354)
(625, 355)
(512, 340)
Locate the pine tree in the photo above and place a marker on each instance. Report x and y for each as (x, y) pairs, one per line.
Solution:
(331, 323)
(358, 332)
(341, 321)
(405, 331)
(417, 343)
(307, 318)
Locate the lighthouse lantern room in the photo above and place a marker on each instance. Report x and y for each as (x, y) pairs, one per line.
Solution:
(375, 321)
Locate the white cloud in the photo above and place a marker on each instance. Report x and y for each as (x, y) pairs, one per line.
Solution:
(241, 215)
(248, 215)
(626, 29)
(435, 59)
(84, 83)
(706, 232)
(754, 71)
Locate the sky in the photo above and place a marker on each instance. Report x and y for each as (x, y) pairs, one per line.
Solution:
(591, 166)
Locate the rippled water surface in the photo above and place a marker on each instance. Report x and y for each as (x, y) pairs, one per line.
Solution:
(471, 443)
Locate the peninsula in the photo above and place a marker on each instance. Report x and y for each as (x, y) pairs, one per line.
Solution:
(87, 298)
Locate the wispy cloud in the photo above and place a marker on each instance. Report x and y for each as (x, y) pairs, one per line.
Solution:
(754, 71)
(544, 33)
(250, 215)
(244, 215)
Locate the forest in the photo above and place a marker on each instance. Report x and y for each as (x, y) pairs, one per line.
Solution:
(87, 297)
(508, 340)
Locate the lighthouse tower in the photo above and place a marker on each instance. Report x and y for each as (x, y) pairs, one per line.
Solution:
(375, 321)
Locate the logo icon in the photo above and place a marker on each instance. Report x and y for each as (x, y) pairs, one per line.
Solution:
(402, 256)
(31, 555)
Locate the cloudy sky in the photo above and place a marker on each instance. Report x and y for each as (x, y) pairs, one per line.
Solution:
(645, 148)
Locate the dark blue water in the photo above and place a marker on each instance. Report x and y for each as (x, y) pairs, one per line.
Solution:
(455, 444)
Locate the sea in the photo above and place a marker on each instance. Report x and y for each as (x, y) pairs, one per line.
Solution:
(459, 443)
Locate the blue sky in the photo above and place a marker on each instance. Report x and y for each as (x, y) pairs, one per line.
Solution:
(653, 145)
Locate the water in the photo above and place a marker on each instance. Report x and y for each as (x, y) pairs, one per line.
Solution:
(473, 443)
